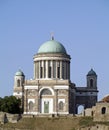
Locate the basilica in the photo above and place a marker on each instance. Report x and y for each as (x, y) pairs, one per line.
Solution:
(51, 90)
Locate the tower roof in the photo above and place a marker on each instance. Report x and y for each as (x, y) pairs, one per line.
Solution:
(19, 73)
(91, 73)
(52, 46)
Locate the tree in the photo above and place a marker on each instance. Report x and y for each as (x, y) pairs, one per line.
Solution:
(10, 104)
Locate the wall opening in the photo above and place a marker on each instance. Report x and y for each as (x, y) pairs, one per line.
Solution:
(49, 72)
(61, 105)
(91, 82)
(103, 110)
(80, 109)
(18, 83)
(31, 105)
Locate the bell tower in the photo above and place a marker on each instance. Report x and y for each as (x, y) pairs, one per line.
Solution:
(19, 80)
(92, 79)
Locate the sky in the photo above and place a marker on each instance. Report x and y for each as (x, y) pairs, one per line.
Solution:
(82, 26)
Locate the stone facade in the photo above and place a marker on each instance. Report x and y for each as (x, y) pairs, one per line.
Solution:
(101, 112)
(51, 90)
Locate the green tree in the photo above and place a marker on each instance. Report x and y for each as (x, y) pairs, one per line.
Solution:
(10, 104)
(1, 100)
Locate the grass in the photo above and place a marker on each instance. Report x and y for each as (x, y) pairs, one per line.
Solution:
(44, 123)
(86, 121)
(56, 123)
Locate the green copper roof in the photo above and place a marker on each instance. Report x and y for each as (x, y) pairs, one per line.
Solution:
(52, 46)
(19, 73)
(91, 72)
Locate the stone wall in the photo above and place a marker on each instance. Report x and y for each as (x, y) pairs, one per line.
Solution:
(96, 127)
(12, 129)
(6, 117)
(101, 112)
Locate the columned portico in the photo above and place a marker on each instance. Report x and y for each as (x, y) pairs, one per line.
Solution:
(51, 69)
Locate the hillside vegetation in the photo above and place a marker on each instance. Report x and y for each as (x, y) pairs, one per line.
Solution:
(46, 123)
(56, 123)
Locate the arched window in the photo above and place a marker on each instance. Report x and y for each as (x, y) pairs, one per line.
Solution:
(103, 110)
(46, 92)
(31, 105)
(18, 83)
(91, 82)
(61, 105)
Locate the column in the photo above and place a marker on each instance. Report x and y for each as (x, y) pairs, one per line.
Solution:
(52, 69)
(56, 102)
(69, 70)
(42, 69)
(37, 102)
(34, 70)
(39, 69)
(25, 102)
(64, 70)
(46, 69)
(56, 69)
(60, 69)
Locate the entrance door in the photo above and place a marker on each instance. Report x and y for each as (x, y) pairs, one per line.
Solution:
(46, 107)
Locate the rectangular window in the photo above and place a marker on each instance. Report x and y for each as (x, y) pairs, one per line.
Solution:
(58, 72)
(54, 69)
(41, 68)
(49, 72)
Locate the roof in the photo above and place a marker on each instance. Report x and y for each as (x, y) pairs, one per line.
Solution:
(105, 99)
(19, 73)
(52, 46)
(91, 73)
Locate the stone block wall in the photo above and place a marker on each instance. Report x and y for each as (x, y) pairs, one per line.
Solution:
(101, 112)
(6, 117)
(96, 127)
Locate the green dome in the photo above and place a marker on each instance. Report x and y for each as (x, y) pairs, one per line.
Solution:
(19, 73)
(91, 73)
(52, 46)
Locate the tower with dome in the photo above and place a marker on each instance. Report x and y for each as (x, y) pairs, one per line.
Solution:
(51, 90)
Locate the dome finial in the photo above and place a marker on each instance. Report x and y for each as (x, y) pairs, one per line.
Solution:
(52, 36)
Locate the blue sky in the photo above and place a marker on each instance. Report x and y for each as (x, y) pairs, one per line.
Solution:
(82, 26)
